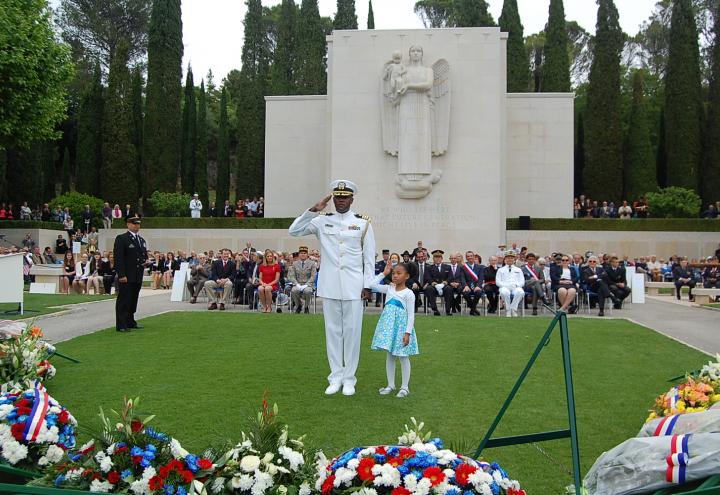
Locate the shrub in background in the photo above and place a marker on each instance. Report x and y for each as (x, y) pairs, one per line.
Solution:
(164, 204)
(674, 202)
(76, 202)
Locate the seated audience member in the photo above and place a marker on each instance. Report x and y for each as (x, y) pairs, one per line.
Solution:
(418, 284)
(437, 276)
(617, 281)
(82, 272)
(222, 275)
(625, 211)
(69, 225)
(117, 213)
(406, 256)
(534, 281)
(270, 272)
(612, 211)
(66, 280)
(711, 274)
(302, 277)
(240, 278)
(25, 211)
(199, 274)
(641, 266)
(564, 282)
(417, 249)
(594, 278)
(36, 256)
(641, 207)
(228, 210)
(171, 266)
(596, 210)
(108, 272)
(683, 277)
(474, 274)
(510, 281)
(61, 245)
(95, 277)
(490, 284)
(711, 212)
(241, 211)
(456, 281)
(157, 268)
(253, 277)
(654, 268)
(48, 256)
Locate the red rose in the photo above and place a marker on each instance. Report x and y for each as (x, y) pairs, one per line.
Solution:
(136, 425)
(187, 476)
(155, 483)
(64, 416)
(113, 477)
(23, 403)
(364, 469)
(327, 486)
(137, 459)
(23, 411)
(17, 431)
(204, 464)
(400, 491)
(176, 465)
(435, 475)
(462, 472)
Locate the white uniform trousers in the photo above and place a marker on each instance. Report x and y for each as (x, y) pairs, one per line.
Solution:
(517, 295)
(343, 329)
(194, 213)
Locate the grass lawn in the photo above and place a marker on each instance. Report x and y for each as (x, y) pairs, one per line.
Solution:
(712, 305)
(203, 374)
(43, 304)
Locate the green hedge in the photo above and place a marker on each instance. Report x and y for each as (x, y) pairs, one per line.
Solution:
(215, 223)
(615, 224)
(30, 224)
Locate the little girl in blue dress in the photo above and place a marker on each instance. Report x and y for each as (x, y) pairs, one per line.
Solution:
(395, 332)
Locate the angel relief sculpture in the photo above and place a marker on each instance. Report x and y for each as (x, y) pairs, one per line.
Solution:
(415, 109)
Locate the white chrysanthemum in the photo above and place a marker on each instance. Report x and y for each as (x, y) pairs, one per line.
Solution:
(263, 481)
(366, 452)
(353, 463)
(423, 487)
(74, 474)
(480, 478)
(5, 409)
(54, 454)
(295, 459)
(14, 452)
(386, 475)
(485, 490)
(449, 473)
(217, 485)
(140, 487)
(55, 408)
(176, 449)
(367, 491)
(445, 456)
(42, 461)
(100, 486)
(442, 488)
(5, 431)
(410, 482)
(48, 435)
(242, 482)
(305, 489)
(344, 476)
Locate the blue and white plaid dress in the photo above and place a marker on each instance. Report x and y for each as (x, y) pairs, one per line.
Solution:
(397, 316)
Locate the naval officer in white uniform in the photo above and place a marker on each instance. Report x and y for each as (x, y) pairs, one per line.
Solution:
(347, 247)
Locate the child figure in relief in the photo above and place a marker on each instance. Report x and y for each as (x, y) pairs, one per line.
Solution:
(394, 73)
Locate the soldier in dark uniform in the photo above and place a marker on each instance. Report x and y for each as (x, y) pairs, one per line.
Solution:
(130, 260)
(379, 268)
(436, 275)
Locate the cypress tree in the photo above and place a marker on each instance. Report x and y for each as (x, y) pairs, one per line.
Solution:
(161, 155)
(137, 125)
(66, 171)
(711, 166)
(556, 69)
(222, 189)
(640, 173)
(48, 171)
(251, 106)
(518, 69)
(311, 78)
(118, 151)
(24, 167)
(661, 155)
(282, 73)
(683, 103)
(189, 135)
(371, 16)
(345, 18)
(201, 160)
(603, 120)
(472, 13)
(89, 136)
(579, 162)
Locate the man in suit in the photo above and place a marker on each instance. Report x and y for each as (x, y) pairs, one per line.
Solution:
(418, 284)
(131, 258)
(199, 274)
(474, 273)
(436, 277)
(617, 282)
(417, 249)
(593, 275)
(489, 284)
(302, 275)
(222, 275)
(683, 276)
(379, 268)
(534, 281)
(456, 282)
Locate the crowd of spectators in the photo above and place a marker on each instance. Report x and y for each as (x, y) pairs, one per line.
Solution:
(243, 208)
(585, 207)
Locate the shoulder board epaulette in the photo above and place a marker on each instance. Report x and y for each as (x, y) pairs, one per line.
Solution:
(364, 217)
(326, 213)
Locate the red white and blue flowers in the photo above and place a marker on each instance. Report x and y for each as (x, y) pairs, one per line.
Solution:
(24, 356)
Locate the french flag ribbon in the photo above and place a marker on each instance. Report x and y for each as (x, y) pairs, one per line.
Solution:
(37, 416)
(470, 272)
(666, 426)
(674, 397)
(678, 459)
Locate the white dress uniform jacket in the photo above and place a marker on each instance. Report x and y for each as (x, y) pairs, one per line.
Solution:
(348, 260)
(195, 208)
(510, 276)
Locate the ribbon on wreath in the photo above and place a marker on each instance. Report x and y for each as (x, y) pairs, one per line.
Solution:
(678, 459)
(36, 419)
(673, 396)
(666, 426)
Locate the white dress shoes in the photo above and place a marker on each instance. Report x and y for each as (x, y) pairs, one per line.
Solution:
(333, 388)
(348, 390)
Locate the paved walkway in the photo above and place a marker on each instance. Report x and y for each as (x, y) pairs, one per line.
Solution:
(681, 321)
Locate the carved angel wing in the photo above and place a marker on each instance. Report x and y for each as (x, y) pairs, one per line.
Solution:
(441, 106)
(388, 113)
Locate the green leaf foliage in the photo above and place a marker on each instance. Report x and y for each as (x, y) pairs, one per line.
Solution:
(185, 222)
(164, 204)
(683, 102)
(311, 78)
(674, 202)
(371, 16)
(89, 135)
(282, 73)
(472, 13)
(76, 202)
(189, 135)
(201, 160)
(138, 122)
(618, 225)
(34, 70)
(640, 173)
(518, 70)
(710, 180)
(162, 136)
(222, 189)
(345, 17)
(603, 120)
(556, 67)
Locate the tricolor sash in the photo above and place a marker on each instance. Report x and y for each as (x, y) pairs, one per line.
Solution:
(678, 459)
(471, 273)
(666, 425)
(37, 416)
